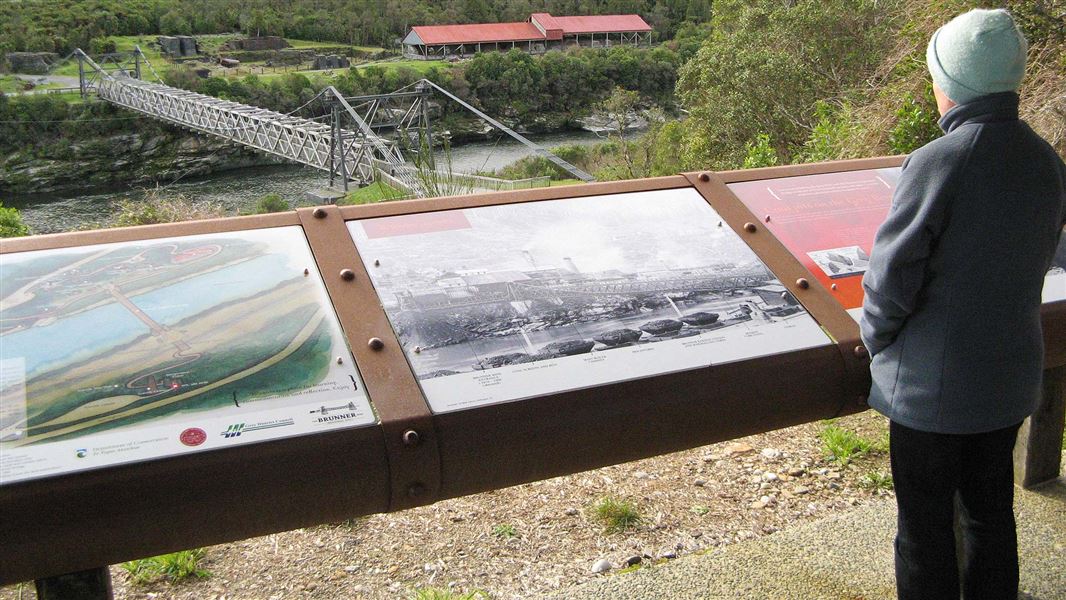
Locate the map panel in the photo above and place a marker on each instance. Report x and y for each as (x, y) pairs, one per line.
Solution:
(502, 303)
(829, 222)
(126, 352)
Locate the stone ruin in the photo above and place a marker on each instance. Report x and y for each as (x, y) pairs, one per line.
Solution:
(178, 46)
(264, 42)
(330, 61)
(32, 63)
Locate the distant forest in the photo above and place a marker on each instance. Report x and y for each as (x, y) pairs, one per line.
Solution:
(62, 25)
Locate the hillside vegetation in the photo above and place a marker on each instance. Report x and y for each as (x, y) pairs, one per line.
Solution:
(60, 26)
(789, 82)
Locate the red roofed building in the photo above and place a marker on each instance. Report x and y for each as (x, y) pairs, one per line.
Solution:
(542, 32)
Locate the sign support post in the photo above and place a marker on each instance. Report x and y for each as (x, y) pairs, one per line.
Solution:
(91, 584)
(1038, 451)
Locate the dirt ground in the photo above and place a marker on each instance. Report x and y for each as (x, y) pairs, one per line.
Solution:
(689, 502)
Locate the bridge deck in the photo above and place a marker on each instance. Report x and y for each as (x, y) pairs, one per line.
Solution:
(301, 140)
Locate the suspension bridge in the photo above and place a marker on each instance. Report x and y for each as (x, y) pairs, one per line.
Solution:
(346, 142)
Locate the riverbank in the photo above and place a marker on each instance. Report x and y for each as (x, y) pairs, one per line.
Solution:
(237, 189)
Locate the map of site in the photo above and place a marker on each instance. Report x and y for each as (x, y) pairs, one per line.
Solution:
(131, 351)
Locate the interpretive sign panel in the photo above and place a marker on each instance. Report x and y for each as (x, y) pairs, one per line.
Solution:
(500, 303)
(124, 352)
(829, 222)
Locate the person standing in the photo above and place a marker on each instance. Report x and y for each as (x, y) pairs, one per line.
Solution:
(951, 313)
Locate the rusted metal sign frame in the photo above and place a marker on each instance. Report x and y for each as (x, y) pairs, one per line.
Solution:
(518, 442)
(414, 457)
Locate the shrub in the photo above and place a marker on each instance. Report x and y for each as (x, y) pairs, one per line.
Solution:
(11, 224)
(271, 203)
(760, 153)
(153, 208)
(916, 124)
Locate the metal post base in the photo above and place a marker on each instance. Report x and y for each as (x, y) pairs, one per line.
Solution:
(1038, 451)
(93, 584)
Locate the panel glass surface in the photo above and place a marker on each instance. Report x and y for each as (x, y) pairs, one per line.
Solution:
(125, 352)
(829, 222)
(508, 302)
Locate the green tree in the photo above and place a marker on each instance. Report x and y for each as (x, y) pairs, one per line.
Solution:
(765, 66)
(620, 111)
(174, 23)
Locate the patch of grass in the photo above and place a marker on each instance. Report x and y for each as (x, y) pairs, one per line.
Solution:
(433, 593)
(419, 66)
(616, 515)
(700, 509)
(504, 531)
(843, 445)
(172, 567)
(378, 191)
(556, 182)
(875, 480)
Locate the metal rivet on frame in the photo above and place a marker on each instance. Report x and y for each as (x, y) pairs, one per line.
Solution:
(766, 218)
(307, 272)
(803, 283)
(347, 274)
(319, 213)
(705, 177)
(375, 344)
(750, 227)
(377, 263)
(833, 287)
(411, 438)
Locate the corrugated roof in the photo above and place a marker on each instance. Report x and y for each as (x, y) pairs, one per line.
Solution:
(602, 24)
(478, 32)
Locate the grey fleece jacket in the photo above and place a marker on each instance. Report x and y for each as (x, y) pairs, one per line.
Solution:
(951, 314)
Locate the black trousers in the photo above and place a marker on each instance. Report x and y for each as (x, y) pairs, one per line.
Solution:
(933, 474)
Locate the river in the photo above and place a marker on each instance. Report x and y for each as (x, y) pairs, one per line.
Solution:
(239, 190)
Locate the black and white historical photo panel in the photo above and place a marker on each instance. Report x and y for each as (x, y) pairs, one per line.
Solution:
(501, 303)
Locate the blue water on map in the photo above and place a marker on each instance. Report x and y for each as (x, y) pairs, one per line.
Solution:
(171, 304)
(81, 335)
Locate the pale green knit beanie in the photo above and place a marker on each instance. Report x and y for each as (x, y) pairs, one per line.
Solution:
(977, 53)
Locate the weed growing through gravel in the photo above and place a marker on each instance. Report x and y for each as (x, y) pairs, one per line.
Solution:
(875, 480)
(174, 567)
(442, 594)
(616, 515)
(842, 445)
(700, 509)
(504, 531)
